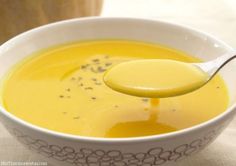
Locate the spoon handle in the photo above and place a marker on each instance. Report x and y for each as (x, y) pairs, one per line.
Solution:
(212, 67)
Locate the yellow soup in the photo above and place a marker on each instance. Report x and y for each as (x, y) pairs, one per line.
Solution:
(62, 89)
(155, 78)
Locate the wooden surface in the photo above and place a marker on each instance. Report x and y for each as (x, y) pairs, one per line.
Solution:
(20, 15)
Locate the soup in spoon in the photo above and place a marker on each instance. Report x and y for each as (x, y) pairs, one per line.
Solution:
(155, 78)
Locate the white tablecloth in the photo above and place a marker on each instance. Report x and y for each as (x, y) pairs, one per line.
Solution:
(217, 17)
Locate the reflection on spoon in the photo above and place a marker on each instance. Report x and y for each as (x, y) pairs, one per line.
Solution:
(162, 77)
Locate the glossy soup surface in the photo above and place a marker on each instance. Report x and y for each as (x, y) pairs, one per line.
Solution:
(62, 89)
(168, 78)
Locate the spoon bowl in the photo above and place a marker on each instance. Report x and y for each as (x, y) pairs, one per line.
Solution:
(158, 78)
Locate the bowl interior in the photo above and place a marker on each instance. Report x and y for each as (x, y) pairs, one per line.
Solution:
(191, 41)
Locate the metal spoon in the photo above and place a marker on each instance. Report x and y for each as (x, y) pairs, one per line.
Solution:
(213, 66)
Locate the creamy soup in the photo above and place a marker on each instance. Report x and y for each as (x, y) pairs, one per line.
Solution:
(155, 78)
(62, 89)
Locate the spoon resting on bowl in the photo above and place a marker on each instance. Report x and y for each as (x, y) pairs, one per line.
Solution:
(159, 78)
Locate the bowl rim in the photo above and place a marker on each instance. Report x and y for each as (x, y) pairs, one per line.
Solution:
(39, 129)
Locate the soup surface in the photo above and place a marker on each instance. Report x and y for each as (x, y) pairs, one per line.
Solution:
(62, 89)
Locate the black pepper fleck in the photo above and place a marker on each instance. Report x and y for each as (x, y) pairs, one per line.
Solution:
(98, 83)
(73, 79)
(83, 66)
(108, 64)
(79, 78)
(93, 70)
(145, 100)
(95, 60)
(100, 69)
(88, 88)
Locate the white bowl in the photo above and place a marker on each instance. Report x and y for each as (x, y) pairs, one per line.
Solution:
(64, 149)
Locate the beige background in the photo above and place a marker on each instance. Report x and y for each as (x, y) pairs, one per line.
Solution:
(217, 17)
